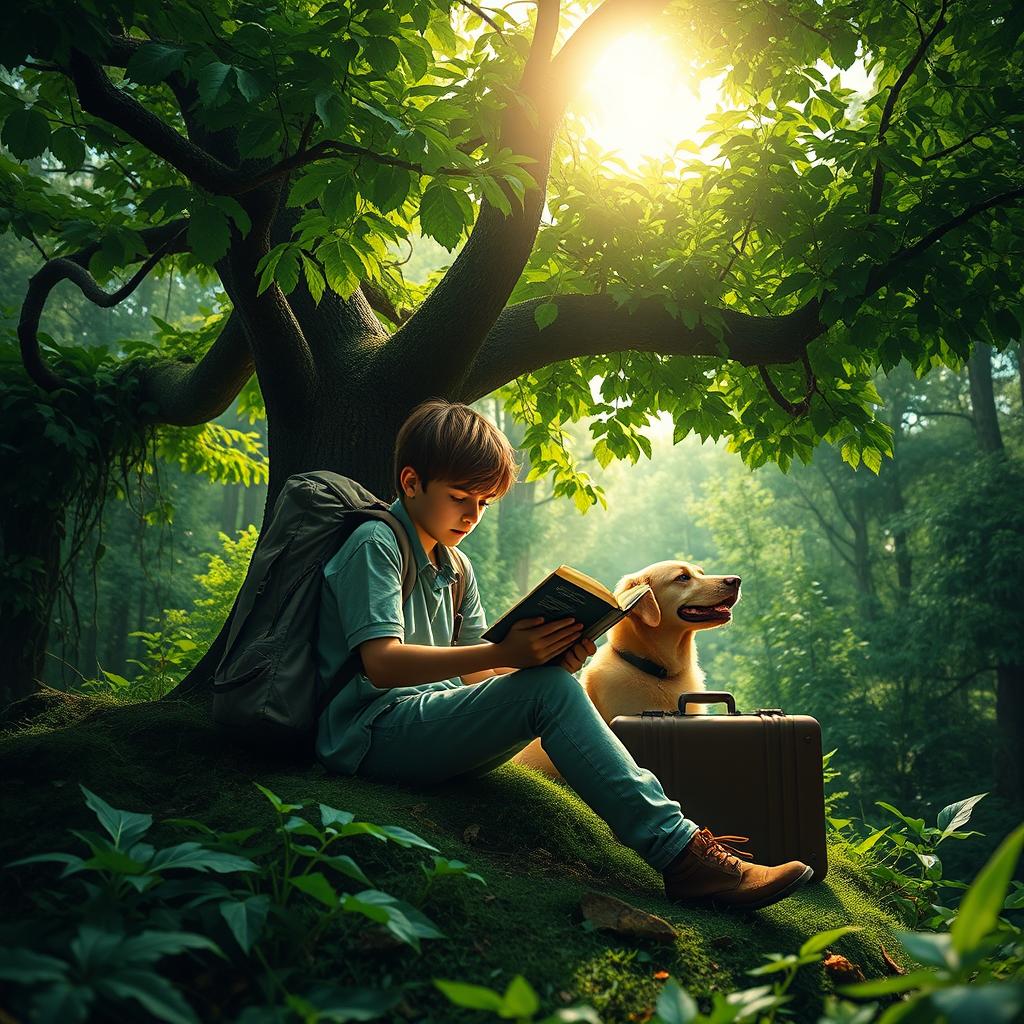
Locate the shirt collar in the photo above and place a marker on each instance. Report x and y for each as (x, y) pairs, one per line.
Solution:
(440, 578)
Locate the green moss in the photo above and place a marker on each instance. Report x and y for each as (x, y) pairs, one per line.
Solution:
(537, 845)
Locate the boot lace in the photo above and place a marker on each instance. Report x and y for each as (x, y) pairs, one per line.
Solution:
(718, 850)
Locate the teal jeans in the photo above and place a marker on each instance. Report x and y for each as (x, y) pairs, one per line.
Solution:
(426, 738)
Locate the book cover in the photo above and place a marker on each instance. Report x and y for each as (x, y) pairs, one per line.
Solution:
(565, 593)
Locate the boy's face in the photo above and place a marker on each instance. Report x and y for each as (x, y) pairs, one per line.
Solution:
(444, 511)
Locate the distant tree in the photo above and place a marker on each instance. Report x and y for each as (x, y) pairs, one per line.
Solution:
(290, 148)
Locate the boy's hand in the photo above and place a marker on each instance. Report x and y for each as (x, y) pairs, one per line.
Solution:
(533, 642)
(573, 660)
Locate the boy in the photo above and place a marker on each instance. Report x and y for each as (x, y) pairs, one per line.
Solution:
(423, 711)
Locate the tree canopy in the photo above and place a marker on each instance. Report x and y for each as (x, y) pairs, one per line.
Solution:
(805, 225)
(749, 283)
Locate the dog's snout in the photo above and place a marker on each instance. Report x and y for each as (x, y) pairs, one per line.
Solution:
(732, 581)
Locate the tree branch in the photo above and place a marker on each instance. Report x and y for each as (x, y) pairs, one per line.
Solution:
(101, 98)
(167, 239)
(793, 408)
(965, 141)
(878, 180)
(186, 394)
(594, 325)
(882, 274)
(469, 299)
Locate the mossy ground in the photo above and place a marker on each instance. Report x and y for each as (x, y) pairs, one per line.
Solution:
(537, 845)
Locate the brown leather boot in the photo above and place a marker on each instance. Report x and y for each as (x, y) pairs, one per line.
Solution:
(709, 872)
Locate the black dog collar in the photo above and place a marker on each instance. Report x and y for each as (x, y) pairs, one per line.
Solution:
(652, 668)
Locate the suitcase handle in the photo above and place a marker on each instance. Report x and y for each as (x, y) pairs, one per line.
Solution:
(707, 697)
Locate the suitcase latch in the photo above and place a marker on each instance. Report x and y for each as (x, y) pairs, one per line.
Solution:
(771, 711)
(652, 714)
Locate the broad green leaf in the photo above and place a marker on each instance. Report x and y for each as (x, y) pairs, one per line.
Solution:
(25, 967)
(215, 81)
(124, 827)
(62, 1003)
(208, 233)
(816, 943)
(154, 993)
(993, 1003)
(979, 909)
(473, 997)
(334, 818)
(336, 1003)
(444, 212)
(246, 919)
(315, 284)
(67, 146)
(930, 949)
(519, 999)
(153, 62)
(196, 857)
(888, 986)
(26, 133)
(150, 946)
(545, 315)
(315, 884)
(675, 1005)
(951, 817)
(405, 838)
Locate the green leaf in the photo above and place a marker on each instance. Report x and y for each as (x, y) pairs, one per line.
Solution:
(793, 283)
(519, 999)
(26, 133)
(24, 967)
(816, 943)
(929, 948)
(381, 54)
(246, 919)
(951, 817)
(405, 838)
(993, 1003)
(887, 986)
(124, 827)
(63, 1004)
(208, 233)
(338, 259)
(979, 909)
(473, 997)
(315, 284)
(545, 314)
(148, 947)
(675, 1005)
(215, 83)
(66, 145)
(444, 212)
(157, 995)
(198, 858)
(335, 1003)
(316, 885)
(331, 817)
(153, 62)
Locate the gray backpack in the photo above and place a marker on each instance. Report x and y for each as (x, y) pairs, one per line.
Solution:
(266, 688)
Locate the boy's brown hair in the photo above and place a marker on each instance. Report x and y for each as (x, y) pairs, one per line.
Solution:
(449, 441)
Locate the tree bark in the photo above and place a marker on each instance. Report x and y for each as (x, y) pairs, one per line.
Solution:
(983, 403)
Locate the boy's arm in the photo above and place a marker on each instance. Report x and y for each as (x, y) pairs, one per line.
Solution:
(388, 662)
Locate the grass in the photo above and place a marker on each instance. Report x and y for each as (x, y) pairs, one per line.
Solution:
(537, 845)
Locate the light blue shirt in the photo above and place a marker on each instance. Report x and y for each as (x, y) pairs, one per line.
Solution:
(362, 600)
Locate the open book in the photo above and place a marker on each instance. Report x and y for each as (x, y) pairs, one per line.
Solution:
(568, 592)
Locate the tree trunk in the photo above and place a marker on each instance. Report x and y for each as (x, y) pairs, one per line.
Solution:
(983, 403)
(31, 543)
(1009, 754)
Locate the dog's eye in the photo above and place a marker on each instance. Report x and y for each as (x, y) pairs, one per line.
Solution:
(683, 578)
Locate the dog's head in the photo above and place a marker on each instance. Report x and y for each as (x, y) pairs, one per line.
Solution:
(682, 598)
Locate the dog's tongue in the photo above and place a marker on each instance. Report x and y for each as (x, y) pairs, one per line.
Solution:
(694, 609)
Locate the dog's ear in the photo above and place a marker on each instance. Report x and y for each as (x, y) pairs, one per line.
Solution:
(646, 609)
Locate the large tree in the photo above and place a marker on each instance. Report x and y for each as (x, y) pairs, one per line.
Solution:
(749, 283)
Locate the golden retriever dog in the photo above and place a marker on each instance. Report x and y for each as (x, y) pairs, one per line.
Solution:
(650, 657)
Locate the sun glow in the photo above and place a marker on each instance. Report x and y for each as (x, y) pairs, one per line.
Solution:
(638, 102)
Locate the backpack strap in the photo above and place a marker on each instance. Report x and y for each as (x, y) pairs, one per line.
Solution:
(458, 593)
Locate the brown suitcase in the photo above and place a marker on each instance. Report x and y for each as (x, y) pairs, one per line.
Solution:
(757, 775)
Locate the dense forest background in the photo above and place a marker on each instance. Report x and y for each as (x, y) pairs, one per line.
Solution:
(883, 605)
